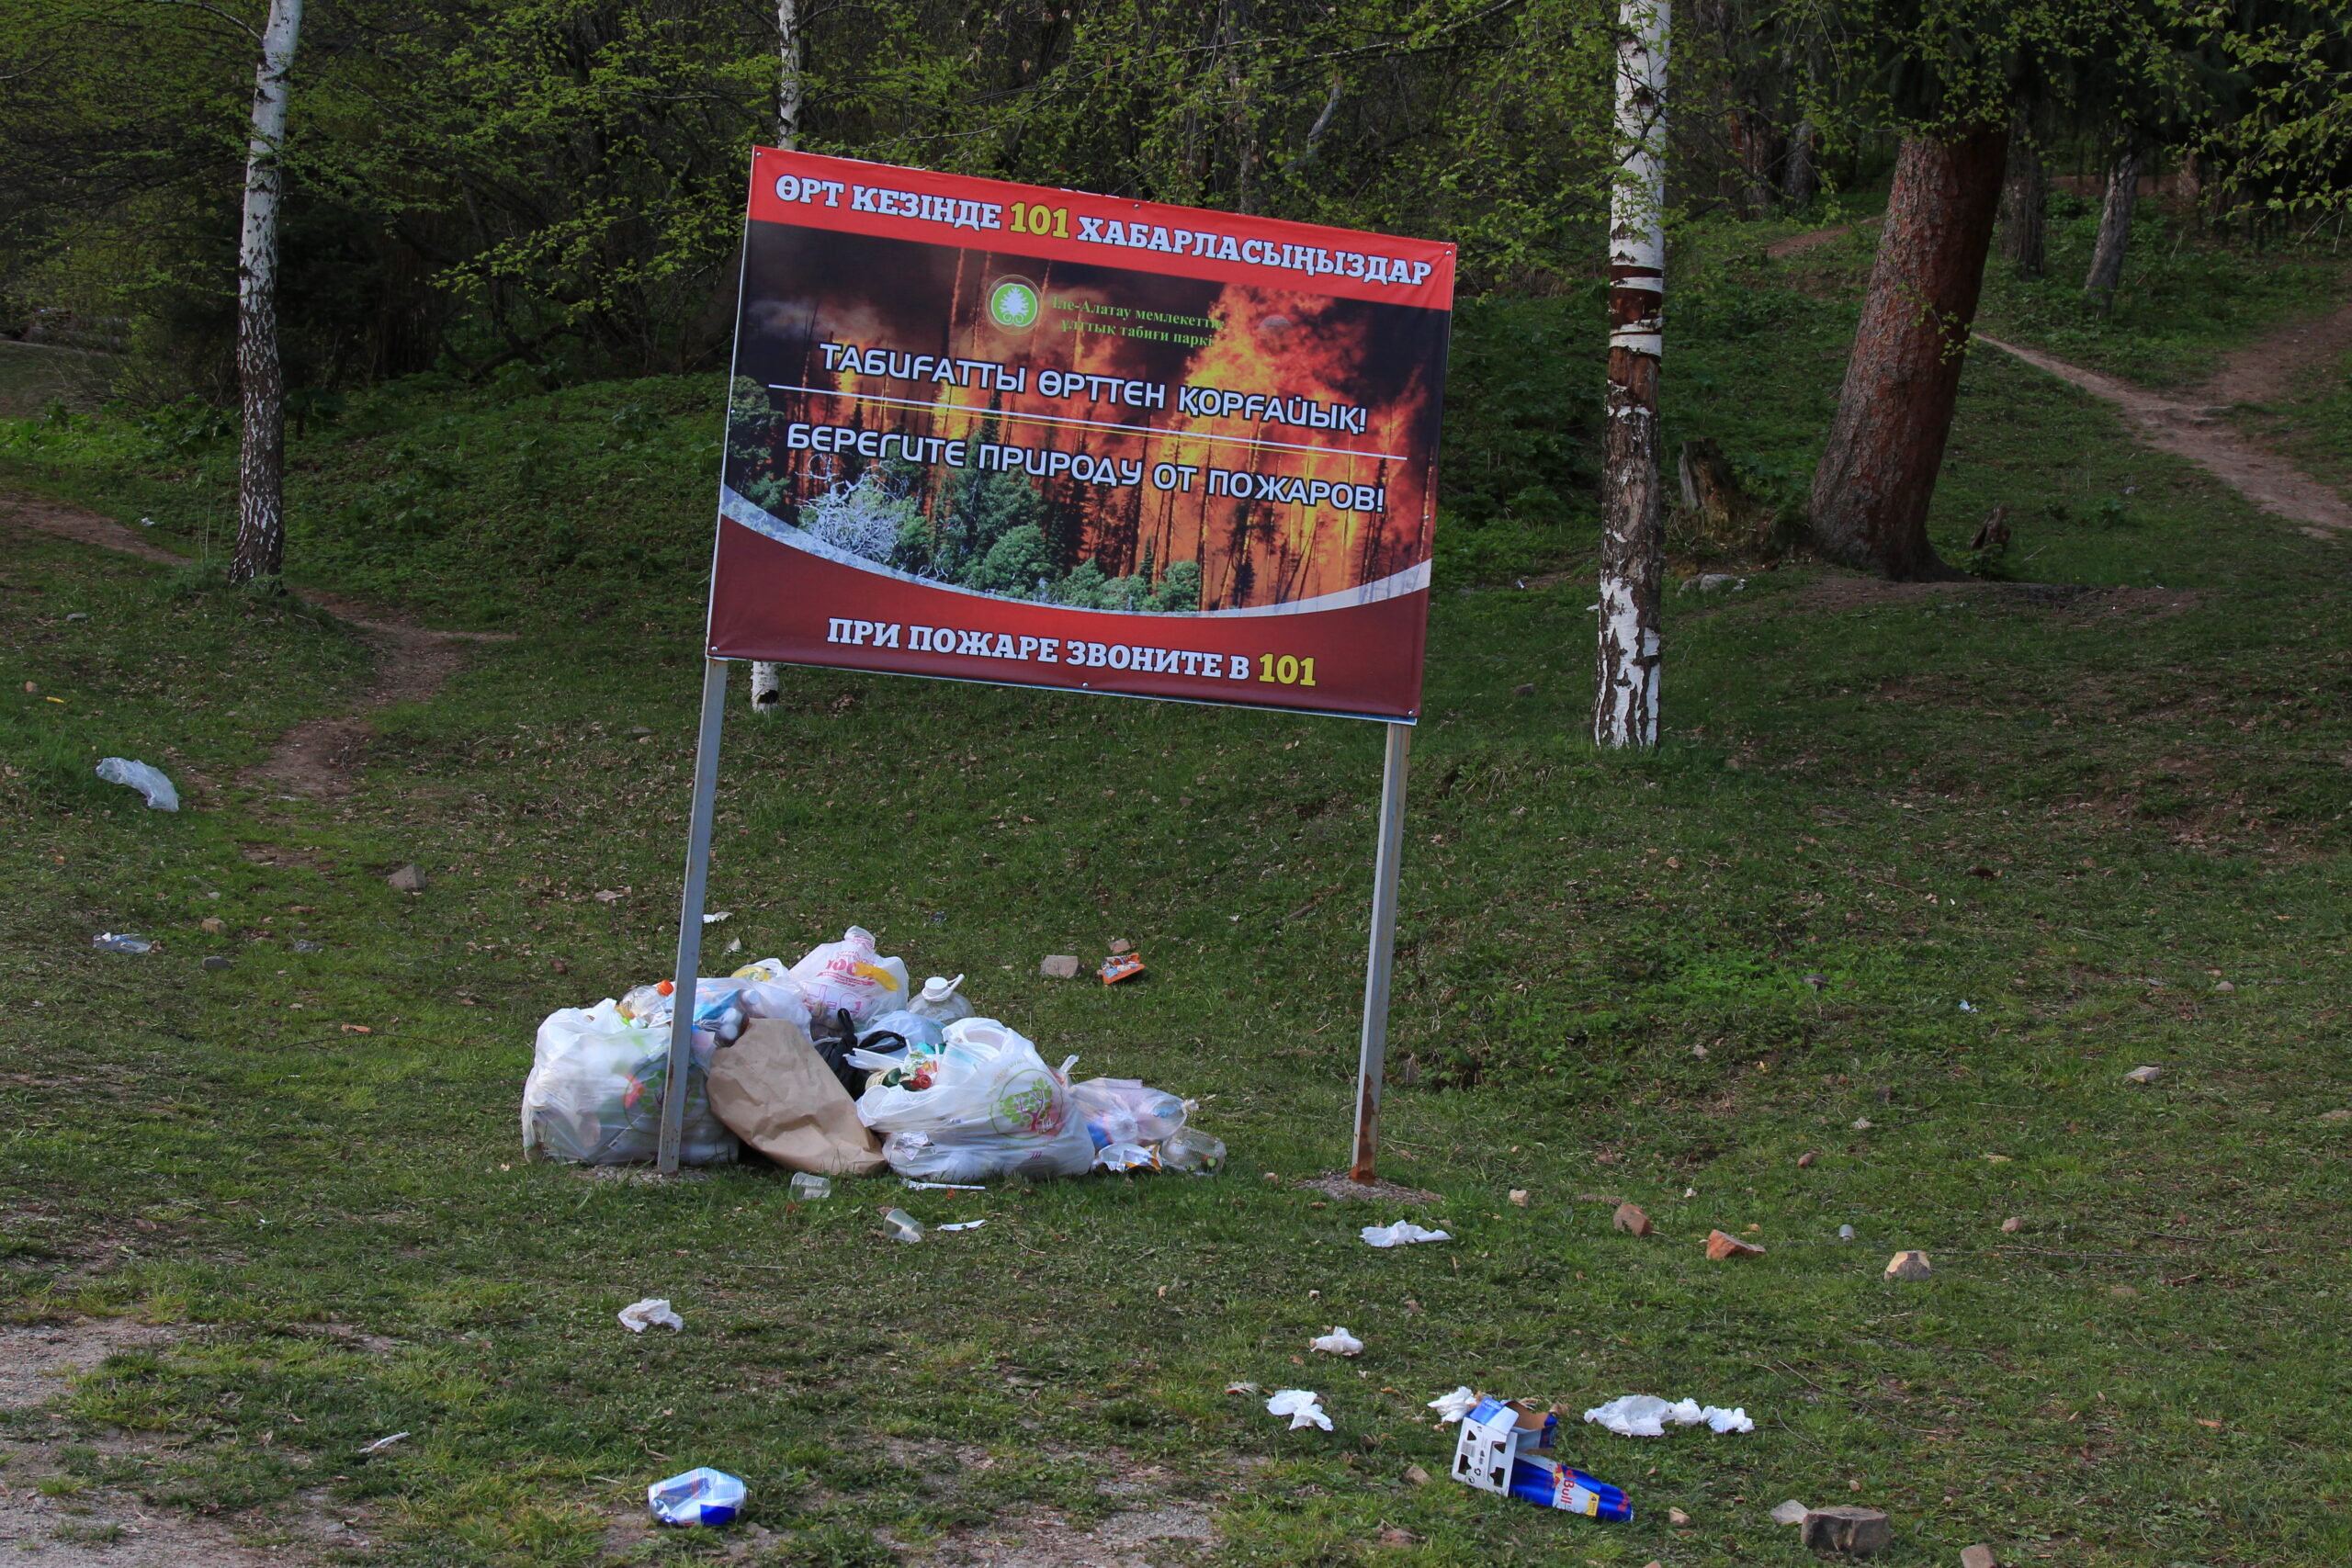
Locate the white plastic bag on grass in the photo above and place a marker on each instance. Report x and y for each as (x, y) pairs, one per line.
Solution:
(994, 1109)
(849, 974)
(148, 781)
(594, 1092)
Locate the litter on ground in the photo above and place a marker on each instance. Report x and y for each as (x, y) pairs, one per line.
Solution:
(1339, 1342)
(638, 1316)
(1452, 1407)
(1404, 1233)
(1302, 1406)
(700, 1496)
(1506, 1448)
(149, 781)
(1645, 1415)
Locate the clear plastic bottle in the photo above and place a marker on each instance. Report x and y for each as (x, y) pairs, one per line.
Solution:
(941, 1001)
(648, 1006)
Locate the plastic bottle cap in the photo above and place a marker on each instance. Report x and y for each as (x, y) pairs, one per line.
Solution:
(938, 988)
(666, 987)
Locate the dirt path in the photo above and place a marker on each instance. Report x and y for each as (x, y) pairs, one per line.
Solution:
(1781, 249)
(2195, 431)
(315, 760)
(2274, 366)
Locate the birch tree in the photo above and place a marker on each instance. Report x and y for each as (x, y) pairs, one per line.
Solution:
(1632, 546)
(2114, 226)
(767, 686)
(261, 380)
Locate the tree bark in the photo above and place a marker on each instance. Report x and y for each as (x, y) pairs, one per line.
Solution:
(1878, 473)
(2114, 227)
(261, 379)
(767, 681)
(1799, 182)
(1633, 539)
(2025, 201)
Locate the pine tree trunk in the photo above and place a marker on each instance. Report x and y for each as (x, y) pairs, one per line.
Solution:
(1878, 473)
(2114, 228)
(261, 380)
(2025, 201)
(1632, 546)
(767, 684)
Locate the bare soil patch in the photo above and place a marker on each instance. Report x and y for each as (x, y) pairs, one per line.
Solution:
(319, 758)
(2195, 431)
(1339, 1184)
(2274, 368)
(56, 1519)
(1779, 250)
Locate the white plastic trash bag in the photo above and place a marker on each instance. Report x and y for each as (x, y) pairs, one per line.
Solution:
(994, 1109)
(594, 1092)
(849, 974)
(148, 781)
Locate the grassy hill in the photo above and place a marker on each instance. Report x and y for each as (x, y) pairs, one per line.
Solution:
(1918, 876)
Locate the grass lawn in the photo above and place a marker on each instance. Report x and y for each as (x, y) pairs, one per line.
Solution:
(2026, 837)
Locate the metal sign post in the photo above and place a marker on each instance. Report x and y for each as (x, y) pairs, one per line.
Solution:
(682, 1000)
(1378, 964)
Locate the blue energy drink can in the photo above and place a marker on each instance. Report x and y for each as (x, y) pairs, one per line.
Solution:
(1551, 1484)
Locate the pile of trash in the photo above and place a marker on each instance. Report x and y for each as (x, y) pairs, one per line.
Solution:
(830, 1066)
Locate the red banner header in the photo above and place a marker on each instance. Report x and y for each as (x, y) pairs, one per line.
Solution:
(1066, 225)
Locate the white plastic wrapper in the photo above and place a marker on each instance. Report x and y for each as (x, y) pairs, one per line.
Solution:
(594, 1092)
(994, 1110)
(1302, 1406)
(1339, 1342)
(653, 1311)
(1404, 1233)
(700, 1496)
(148, 781)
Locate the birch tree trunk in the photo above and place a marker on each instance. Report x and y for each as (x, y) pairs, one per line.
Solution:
(2025, 201)
(1632, 543)
(767, 684)
(1799, 183)
(1878, 473)
(261, 380)
(2114, 227)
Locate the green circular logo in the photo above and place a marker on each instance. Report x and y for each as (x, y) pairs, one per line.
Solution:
(1012, 304)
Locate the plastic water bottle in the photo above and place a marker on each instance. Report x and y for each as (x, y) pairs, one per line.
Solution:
(940, 1001)
(808, 1189)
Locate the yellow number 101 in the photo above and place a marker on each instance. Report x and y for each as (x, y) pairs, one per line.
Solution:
(1289, 672)
(1041, 220)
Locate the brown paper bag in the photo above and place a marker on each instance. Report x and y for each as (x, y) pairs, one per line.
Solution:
(775, 1093)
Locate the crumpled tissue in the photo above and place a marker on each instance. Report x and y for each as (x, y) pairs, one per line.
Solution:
(1645, 1415)
(1400, 1233)
(638, 1316)
(1452, 1407)
(1302, 1406)
(1339, 1342)
(700, 1496)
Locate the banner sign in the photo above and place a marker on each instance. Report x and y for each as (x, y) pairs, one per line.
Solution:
(1000, 433)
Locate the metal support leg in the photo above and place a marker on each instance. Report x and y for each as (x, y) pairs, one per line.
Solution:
(682, 1001)
(1374, 1056)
